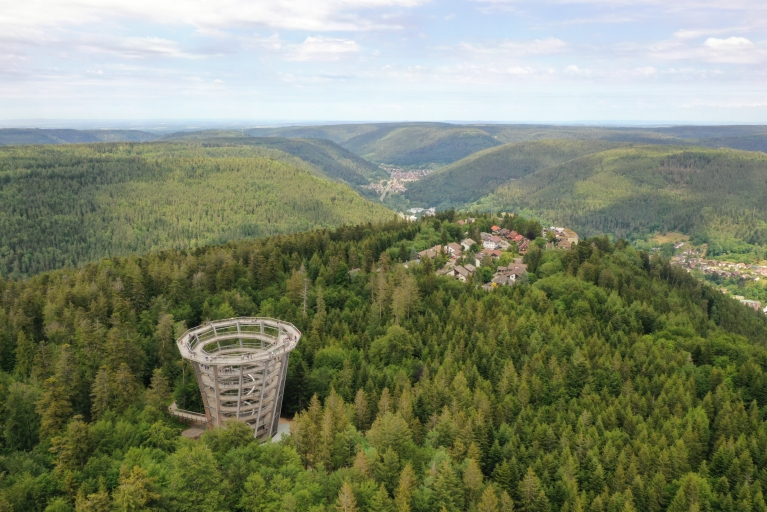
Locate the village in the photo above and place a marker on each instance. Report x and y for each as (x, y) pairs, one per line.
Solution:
(398, 176)
(692, 261)
(474, 260)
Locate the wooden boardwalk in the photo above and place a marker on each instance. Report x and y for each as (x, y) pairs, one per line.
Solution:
(189, 416)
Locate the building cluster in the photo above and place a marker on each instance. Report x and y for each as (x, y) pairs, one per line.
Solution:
(724, 269)
(397, 179)
(405, 176)
(424, 211)
(690, 261)
(504, 275)
(490, 246)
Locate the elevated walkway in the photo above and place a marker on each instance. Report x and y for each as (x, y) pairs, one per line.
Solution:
(189, 416)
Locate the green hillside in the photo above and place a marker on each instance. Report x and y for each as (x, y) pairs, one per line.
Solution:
(628, 191)
(420, 145)
(479, 174)
(68, 205)
(324, 156)
(17, 136)
(610, 382)
(337, 133)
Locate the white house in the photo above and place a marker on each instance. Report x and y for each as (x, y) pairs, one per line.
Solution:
(467, 243)
(493, 242)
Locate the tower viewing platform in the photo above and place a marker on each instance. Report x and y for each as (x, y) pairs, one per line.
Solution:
(241, 365)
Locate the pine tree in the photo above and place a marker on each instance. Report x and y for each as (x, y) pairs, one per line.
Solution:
(54, 407)
(531, 495)
(158, 394)
(135, 491)
(101, 392)
(404, 491)
(165, 339)
(387, 469)
(361, 410)
(95, 502)
(73, 447)
(25, 355)
(346, 502)
(22, 421)
(472, 481)
(125, 388)
(447, 488)
(489, 501)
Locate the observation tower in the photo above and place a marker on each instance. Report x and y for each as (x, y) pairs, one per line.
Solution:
(241, 365)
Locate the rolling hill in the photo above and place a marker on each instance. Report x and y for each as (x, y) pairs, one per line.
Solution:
(65, 205)
(324, 156)
(438, 144)
(17, 136)
(632, 190)
(479, 174)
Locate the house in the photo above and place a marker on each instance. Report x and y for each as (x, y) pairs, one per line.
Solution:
(753, 304)
(494, 242)
(466, 243)
(495, 229)
(493, 253)
(569, 237)
(517, 269)
(523, 246)
(430, 253)
(471, 268)
(503, 280)
(454, 250)
(461, 222)
(461, 273)
(504, 232)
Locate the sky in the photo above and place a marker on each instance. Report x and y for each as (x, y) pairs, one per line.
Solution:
(267, 61)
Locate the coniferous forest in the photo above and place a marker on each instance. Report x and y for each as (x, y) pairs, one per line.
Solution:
(67, 205)
(609, 381)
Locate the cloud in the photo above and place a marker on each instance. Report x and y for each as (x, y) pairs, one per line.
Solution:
(731, 50)
(545, 46)
(519, 70)
(645, 71)
(311, 15)
(321, 48)
(729, 44)
(572, 69)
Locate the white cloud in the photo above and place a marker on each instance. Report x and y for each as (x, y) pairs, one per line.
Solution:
(321, 48)
(572, 69)
(133, 47)
(545, 46)
(731, 43)
(519, 70)
(645, 71)
(314, 15)
(732, 50)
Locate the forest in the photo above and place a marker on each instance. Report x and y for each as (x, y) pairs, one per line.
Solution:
(718, 195)
(471, 178)
(67, 205)
(609, 382)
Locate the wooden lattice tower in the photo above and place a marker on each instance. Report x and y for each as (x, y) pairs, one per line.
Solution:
(241, 365)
